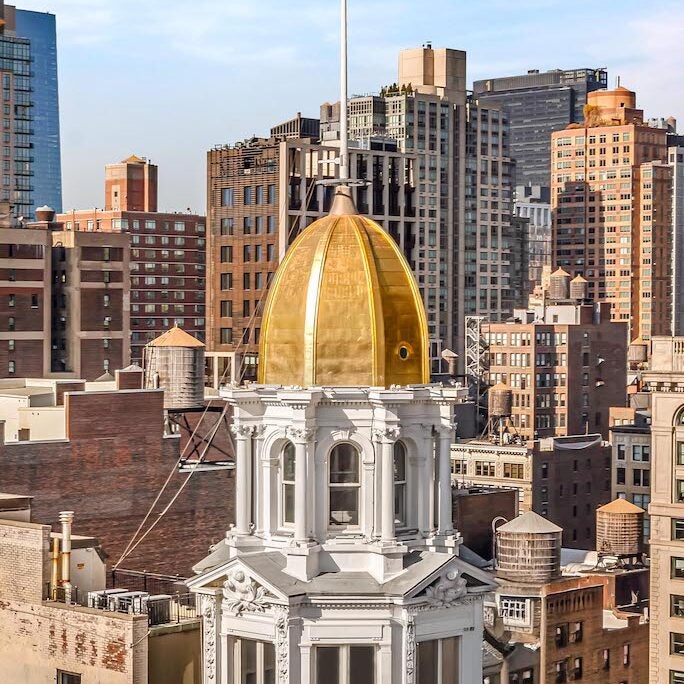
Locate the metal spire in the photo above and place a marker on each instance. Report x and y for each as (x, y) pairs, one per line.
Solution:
(344, 141)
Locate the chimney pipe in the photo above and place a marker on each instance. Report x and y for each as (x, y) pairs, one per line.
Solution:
(55, 569)
(66, 518)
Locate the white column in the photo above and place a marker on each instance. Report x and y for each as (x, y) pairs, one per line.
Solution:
(243, 467)
(301, 437)
(386, 439)
(446, 523)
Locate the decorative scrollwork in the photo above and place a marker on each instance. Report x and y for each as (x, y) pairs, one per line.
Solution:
(209, 620)
(283, 646)
(410, 650)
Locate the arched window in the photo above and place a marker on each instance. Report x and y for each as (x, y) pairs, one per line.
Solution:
(288, 484)
(399, 484)
(345, 486)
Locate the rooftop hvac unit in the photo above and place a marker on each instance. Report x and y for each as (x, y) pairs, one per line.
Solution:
(127, 602)
(100, 599)
(158, 608)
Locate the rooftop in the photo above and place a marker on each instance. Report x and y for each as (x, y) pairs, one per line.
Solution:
(529, 523)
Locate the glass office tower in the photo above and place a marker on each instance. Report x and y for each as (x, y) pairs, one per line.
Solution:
(39, 29)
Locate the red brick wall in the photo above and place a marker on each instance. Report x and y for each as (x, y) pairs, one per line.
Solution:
(27, 356)
(110, 472)
(26, 317)
(93, 310)
(93, 355)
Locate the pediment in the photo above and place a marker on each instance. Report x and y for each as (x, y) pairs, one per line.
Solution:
(243, 589)
(450, 583)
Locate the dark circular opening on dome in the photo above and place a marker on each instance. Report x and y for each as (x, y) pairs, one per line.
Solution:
(403, 352)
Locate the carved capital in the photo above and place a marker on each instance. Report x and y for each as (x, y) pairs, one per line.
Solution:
(242, 431)
(387, 435)
(300, 435)
(445, 431)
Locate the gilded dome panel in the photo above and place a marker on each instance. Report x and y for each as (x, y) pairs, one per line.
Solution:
(344, 309)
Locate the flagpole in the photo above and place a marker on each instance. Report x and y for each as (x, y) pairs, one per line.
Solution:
(344, 142)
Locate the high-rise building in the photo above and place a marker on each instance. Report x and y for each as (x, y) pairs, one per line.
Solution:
(612, 218)
(664, 380)
(39, 28)
(167, 270)
(537, 104)
(17, 123)
(675, 158)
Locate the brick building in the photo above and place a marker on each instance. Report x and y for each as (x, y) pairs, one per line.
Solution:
(555, 621)
(167, 263)
(565, 364)
(563, 479)
(612, 210)
(62, 298)
(104, 454)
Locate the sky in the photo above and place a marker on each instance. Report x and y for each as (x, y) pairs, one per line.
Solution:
(168, 80)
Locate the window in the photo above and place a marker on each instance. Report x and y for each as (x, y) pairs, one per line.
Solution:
(606, 659)
(226, 308)
(253, 662)
(561, 672)
(514, 610)
(486, 468)
(248, 195)
(226, 335)
(576, 633)
(226, 281)
(34, 301)
(11, 300)
(345, 664)
(561, 635)
(271, 193)
(227, 197)
(399, 484)
(514, 470)
(641, 452)
(10, 345)
(68, 677)
(226, 254)
(680, 452)
(105, 300)
(621, 452)
(344, 485)
(641, 478)
(679, 490)
(227, 226)
(677, 643)
(677, 529)
(288, 484)
(677, 605)
(11, 367)
(620, 473)
(625, 654)
(436, 659)
(10, 323)
(676, 677)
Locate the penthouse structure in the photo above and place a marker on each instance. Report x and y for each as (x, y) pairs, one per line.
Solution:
(612, 210)
(167, 262)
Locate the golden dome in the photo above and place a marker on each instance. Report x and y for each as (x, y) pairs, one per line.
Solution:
(344, 308)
